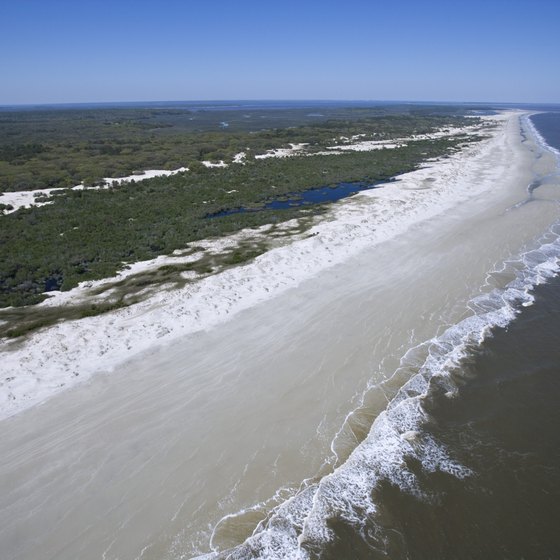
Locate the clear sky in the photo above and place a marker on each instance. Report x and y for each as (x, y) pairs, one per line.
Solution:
(138, 50)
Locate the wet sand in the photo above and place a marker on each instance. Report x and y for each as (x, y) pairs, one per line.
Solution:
(146, 461)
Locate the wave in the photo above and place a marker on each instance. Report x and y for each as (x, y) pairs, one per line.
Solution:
(539, 137)
(397, 445)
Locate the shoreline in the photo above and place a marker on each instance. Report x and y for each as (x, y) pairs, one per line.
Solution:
(309, 519)
(70, 353)
(538, 136)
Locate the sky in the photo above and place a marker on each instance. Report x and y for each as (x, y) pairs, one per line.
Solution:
(59, 51)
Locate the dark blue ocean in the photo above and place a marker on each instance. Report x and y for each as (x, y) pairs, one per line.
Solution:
(548, 125)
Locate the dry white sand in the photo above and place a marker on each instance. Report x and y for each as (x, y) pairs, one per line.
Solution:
(69, 353)
(293, 150)
(25, 199)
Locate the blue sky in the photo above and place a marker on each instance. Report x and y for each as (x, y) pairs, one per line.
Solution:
(59, 51)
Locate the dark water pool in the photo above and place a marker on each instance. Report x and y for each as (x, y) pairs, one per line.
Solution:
(309, 197)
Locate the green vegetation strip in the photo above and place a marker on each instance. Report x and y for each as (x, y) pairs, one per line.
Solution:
(19, 321)
(86, 235)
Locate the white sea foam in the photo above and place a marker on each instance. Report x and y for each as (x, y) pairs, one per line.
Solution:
(303, 522)
(51, 357)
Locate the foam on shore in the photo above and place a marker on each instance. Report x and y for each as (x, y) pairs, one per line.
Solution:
(68, 353)
(398, 445)
(397, 436)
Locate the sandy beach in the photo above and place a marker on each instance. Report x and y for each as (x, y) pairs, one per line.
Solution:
(171, 428)
(70, 353)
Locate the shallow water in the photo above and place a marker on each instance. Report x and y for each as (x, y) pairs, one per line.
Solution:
(190, 446)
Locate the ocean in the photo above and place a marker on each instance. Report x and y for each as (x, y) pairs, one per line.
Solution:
(483, 468)
(501, 425)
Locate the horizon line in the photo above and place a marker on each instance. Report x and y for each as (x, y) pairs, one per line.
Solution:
(270, 100)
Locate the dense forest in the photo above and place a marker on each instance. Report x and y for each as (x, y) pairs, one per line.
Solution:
(47, 149)
(91, 234)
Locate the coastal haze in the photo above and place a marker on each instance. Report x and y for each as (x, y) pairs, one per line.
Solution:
(245, 427)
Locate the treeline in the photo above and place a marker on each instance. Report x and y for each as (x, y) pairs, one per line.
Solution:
(48, 149)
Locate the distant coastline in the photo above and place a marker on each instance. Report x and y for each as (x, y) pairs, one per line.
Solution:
(232, 104)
